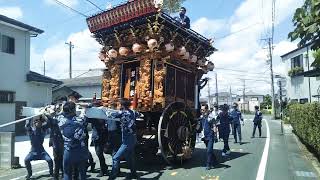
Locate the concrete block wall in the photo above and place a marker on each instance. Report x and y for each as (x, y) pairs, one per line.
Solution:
(7, 140)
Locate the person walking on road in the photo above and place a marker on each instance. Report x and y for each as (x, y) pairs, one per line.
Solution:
(213, 115)
(225, 120)
(236, 118)
(37, 131)
(208, 126)
(257, 121)
(129, 140)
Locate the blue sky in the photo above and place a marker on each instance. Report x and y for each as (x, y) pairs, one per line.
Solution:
(243, 51)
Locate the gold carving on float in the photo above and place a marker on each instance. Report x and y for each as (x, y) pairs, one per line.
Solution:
(144, 83)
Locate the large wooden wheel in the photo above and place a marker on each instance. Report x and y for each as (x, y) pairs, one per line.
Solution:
(176, 132)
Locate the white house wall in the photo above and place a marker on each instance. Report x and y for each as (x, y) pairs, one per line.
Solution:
(13, 71)
(298, 87)
(7, 114)
(14, 67)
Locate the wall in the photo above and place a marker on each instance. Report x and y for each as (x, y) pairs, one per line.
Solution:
(298, 87)
(13, 69)
(7, 114)
(40, 94)
(15, 66)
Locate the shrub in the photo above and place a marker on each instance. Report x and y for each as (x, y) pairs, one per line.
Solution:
(294, 71)
(305, 120)
(266, 111)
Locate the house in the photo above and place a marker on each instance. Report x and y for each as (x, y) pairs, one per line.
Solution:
(303, 80)
(85, 86)
(251, 99)
(224, 98)
(18, 85)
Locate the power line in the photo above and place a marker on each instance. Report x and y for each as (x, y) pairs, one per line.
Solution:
(70, 8)
(237, 70)
(240, 30)
(94, 5)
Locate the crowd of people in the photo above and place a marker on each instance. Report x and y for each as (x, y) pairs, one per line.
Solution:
(218, 123)
(69, 139)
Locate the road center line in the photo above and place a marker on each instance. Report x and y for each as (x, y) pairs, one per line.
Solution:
(264, 158)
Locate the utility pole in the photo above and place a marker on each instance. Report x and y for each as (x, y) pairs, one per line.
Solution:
(244, 95)
(217, 96)
(280, 93)
(44, 67)
(230, 96)
(271, 74)
(70, 58)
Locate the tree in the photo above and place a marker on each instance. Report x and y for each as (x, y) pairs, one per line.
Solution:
(172, 6)
(306, 20)
(267, 102)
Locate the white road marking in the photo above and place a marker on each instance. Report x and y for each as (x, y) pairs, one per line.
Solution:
(305, 174)
(264, 158)
(22, 177)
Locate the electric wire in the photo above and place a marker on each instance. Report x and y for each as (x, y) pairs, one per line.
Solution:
(94, 5)
(70, 8)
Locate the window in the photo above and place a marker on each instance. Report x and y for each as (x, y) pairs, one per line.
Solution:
(7, 44)
(297, 61)
(7, 96)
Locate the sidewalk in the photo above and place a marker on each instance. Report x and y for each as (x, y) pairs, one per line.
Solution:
(287, 159)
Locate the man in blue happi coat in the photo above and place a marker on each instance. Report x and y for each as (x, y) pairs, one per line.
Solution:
(225, 120)
(37, 132)
(183, 18)
(129, 140)
(236, 118)
(56, 142)
(257, 121)
(99, 140)
(75, 148)
(208, 125)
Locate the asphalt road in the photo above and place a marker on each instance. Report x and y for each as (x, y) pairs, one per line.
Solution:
(271, 157)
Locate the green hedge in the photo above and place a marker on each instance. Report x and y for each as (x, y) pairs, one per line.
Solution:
(305, 120)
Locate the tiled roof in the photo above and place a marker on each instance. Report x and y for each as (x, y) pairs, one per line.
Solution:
(83, 81)
(36, 77)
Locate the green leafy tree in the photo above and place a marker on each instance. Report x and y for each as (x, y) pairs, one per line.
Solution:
(306, 20)
(172, 6)
(267, 102)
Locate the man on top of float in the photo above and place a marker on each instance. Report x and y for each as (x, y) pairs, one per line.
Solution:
(183, 18)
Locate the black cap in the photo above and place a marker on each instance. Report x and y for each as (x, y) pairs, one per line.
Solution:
(75, 94)
(69, 108)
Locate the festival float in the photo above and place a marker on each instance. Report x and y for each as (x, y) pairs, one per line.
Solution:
(157, 64)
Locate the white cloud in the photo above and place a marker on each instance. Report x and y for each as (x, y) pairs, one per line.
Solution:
(207, 26)
(244, 50)
(11, 12)
(71, 3)
(84, 56)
